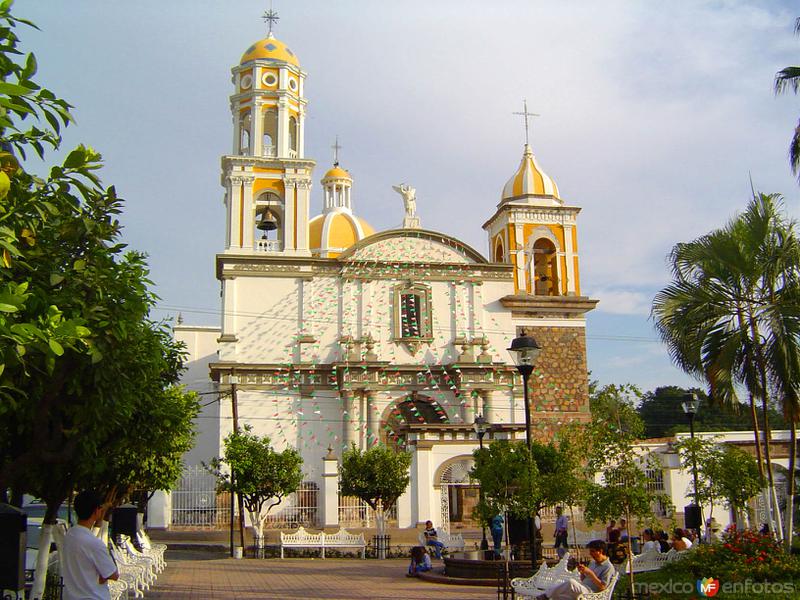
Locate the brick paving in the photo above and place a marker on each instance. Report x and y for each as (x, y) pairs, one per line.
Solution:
(204, 575)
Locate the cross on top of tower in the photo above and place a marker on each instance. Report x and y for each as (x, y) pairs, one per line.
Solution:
(526, 115)
(270, 17)
(336, 147)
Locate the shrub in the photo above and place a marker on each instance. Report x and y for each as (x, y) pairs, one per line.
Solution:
(741, 555)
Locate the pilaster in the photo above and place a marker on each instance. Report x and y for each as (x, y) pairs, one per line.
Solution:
(329, 499)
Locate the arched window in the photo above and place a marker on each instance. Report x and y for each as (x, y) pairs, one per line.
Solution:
(244, 134)
(499, 253)
(413, 321)
(544, 268)
(293, 134)
(268, 223)
(270, 132)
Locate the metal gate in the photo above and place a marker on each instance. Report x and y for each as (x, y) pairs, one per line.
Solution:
(195, 502)
(453, 477)
(354, 512)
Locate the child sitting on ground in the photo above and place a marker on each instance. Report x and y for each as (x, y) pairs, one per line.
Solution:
(420, 561)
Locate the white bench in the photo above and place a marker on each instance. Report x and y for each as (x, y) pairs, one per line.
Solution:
(649, 561)
(544, 578)
(341, 539)
(451, 541)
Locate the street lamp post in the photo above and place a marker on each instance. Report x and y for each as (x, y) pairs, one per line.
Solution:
(690, 405)
(480, 426)
(526, 350)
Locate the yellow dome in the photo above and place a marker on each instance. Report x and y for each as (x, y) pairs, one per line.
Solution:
(331, 234)
(270, 49)
(337, 173)
(529, 179)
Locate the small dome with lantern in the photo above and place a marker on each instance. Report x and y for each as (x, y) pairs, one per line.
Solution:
(530, 180)
(337, 228)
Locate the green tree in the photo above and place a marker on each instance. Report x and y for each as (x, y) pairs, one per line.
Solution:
(76, 346)
(789, 79)
(378, 476)
(622, 488)
(737, 477)
(509, 480)
(663, 415)
(262, 476)
(615, 406)
(730, 317)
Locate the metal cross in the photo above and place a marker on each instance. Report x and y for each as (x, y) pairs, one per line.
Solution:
(270, 16)
(336, 147)
(526, 115)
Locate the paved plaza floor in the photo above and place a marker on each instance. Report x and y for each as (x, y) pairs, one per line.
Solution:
(204, 575)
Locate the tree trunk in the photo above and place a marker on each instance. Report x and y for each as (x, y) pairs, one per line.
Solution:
(257, 521)
(788, 534)
(40, 577)
(757, 435)
(380, 524)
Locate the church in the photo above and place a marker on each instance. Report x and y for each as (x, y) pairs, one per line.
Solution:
(332, 333)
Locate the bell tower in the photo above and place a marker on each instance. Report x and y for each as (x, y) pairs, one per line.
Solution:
(534, 230)
(267, 178)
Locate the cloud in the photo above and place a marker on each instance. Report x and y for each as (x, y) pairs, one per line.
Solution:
(622, 302)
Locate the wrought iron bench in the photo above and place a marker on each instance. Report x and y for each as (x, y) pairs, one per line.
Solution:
(341, 539)
(544, 578)
(451, 541)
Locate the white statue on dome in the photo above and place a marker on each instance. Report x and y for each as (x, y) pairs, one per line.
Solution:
(409, 195)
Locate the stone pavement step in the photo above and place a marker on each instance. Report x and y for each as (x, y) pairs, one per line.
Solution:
(196, 575)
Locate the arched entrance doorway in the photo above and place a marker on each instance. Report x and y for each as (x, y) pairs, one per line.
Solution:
(459, 494)
(414, 409)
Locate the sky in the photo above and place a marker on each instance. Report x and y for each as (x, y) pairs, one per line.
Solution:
(653, 118)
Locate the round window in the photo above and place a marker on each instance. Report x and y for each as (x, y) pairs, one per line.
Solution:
(269, 79)
(245, 82)
(293, 84)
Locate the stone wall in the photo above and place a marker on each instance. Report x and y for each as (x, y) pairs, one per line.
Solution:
(559, 389)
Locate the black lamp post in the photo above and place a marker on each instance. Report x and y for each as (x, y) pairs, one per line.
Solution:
(526, 350)
(480, 425)
(690, 405)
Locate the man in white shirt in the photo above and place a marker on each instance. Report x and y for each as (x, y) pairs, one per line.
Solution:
(86, 565)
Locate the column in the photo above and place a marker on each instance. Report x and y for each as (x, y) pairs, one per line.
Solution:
(257, 124)
(328, 503)
(248, 213)
(301, 120)
(303, 193)
(370, 397)
(349, 434)
(237, 132)
(521, 263)
(289, 241)
(282, 143)
(469, 407)
(487, 406)
(569, 254)
(235, 211)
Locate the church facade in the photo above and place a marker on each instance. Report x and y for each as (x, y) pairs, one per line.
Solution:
(335, 334)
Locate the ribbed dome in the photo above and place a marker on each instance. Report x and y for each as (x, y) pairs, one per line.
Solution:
(270, 49)
(331, 234)
(529, 179)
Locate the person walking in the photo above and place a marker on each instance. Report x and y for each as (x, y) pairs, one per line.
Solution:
(86, 565)
(560, 533)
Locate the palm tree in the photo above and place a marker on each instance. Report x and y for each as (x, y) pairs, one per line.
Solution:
(789, 78)
(731, 316)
